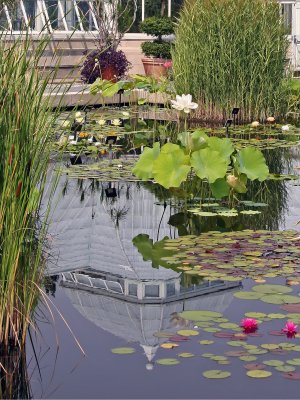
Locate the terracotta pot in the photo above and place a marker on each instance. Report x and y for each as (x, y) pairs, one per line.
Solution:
(109, 73)
(155, 67)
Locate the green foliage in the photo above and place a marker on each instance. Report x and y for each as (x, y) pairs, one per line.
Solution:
(157, 26)
(208, 158)
(232, 53)
(157, 49)
(25, 128)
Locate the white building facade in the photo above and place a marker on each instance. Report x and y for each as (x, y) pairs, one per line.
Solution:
(74, 26)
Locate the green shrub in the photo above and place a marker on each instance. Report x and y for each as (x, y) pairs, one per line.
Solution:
(157, 26)
(232, 53)
(156, 49)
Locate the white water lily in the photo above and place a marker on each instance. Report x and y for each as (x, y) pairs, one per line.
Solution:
(125, 114)
(116, 122)
(101, 122)
(184, 103)
(79, 120)
(285, 128)
(78, 114)
(255, 124)
(271, 119)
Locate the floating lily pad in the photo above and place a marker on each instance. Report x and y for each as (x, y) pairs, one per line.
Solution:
(187, 332)
(186, 355)
(199, 314)
(248, 295)
(206, 342)
(259, 373)
(273, 363)
(168, 361)
(229, 325)
(248, 358)
(280, 299)
(269, 346)
(285, 368)
(292, 375)
(271, 289)
(123, 350)
(169, 345)
(254, 366)
(294, 361)
(216, 374)
(256, 315)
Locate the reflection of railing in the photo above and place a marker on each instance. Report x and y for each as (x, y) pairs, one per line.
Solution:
(95, 283)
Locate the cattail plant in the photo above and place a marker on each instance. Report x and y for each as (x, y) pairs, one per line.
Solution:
(232, 53)
(25, 126)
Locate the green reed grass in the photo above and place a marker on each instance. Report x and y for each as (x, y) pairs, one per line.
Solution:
(232, 53)
(25, 126)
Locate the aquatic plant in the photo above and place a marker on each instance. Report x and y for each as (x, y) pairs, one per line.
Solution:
(25, 128)
(290, 328)
(209, 158)
(232, 53)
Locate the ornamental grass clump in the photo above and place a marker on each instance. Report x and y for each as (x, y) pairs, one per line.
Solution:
(25, 127)
(232, 53)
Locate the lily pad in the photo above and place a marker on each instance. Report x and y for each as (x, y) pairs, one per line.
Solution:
(186, 355)
(285, 368)
(168, 361)
(216, 374)
(254, 366)
(280, 299)
(187, 332)
(273, 363)
(248, 295)
(258, 373)
(199, 314)
(271, 289)
(123, 350)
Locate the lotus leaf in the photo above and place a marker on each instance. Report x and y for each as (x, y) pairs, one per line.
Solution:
(209, 165)
(143, 169)
(251, 162)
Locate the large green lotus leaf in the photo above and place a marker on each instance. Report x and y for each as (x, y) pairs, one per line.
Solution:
(216, 374)
(198, 315)
(143, 169)
(170, 169)
(220, 188)
(209, 165)
(250, 161)
(271, 289)
(169, 148)
(223, 146)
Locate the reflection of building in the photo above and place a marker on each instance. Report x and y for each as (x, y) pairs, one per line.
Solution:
(139, 322)
(104, 275)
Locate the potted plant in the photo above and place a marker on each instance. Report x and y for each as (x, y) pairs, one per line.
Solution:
(108, 64)
(157, 52)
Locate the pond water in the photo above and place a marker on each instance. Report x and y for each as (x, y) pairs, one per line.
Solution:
(113, 293)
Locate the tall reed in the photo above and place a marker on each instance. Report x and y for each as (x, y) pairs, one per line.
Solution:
(25, 127)
(232, 53)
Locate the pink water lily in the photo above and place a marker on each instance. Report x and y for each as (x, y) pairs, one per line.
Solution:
(168, 64)
(249, 325)
(290, 329)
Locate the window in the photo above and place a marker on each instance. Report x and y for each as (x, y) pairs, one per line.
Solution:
(53, 15)
(149, 8)
(170, 289)
(152, 291)
(132, 289)
(287, 15)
